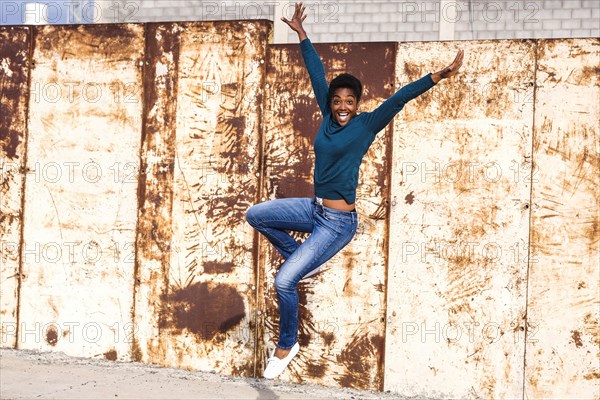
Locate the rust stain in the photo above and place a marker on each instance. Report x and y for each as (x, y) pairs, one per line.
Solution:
(576, 336)
(246, 369)
(155, 182)
(155, 194)
(207, 310)
(14, 102)
(593, 375)
(592, 328)
(13, 81)
(410, 198)
(111, 355)
(10, 142)
(94, 40)
(215, 267)
(307, 117)
(328, 338)
(136, 351)
(585, 76)
(357, 358)
(412, 71)
(52, 336)
(317, 369)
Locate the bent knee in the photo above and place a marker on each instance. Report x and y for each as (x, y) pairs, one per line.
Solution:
(251, 216)
(283, 285)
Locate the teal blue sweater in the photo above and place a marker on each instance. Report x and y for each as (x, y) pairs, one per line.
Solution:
(339, 150)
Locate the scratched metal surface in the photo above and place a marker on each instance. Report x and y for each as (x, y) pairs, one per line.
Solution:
(14, 68)
(342, 309)
(202, 303)
(155, 195)
(459, 223)
(562, 358)
(80, 195)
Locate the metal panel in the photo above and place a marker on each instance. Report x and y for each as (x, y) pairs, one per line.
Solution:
(459, 224)
(155, 194)
(342, 309)
(205, 296)
(80, 208)
(155, 200)
(14, 70)
(563, 312)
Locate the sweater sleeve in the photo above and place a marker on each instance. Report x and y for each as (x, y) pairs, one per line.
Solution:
(383, 115)
(316, 71)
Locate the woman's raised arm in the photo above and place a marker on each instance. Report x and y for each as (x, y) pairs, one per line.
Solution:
(313, 63)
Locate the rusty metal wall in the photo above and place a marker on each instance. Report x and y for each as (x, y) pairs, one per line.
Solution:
(342, 309)
(130, 154)
(563, 313)
(459, 226)
(155, 194)
(14, 73)
(196, 287)
(80, 207)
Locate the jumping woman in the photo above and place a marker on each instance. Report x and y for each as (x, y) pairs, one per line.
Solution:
(330, 217)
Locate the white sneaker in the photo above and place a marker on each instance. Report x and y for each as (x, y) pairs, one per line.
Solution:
(275, 366)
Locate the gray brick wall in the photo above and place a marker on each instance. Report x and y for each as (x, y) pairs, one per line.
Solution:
(381, 20)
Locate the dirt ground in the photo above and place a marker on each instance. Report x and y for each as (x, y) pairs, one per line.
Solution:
(28, 374)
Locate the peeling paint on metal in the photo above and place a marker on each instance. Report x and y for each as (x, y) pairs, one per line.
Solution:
(563, 311)
(80, 210)
(14, 58)
(458, 240)
(202, 291)
(206, 310)
(155, 191)
(329, 312)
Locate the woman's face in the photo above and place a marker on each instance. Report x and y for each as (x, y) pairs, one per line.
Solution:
(343, 105)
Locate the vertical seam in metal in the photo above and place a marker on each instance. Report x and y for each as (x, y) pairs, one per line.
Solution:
(32, 35)
(136, 263)
(260, 186)
(526, 317)
(388, 229)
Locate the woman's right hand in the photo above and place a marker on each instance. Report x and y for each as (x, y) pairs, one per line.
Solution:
(296, 22)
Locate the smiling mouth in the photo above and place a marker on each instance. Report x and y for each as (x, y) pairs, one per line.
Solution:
(343, 116)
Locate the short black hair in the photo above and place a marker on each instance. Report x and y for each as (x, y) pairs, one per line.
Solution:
(345, 81)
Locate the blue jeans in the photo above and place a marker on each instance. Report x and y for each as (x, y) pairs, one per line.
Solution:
(331, 230)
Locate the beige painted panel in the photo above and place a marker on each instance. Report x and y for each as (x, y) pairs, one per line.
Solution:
(563, 346)
(80, 199)
(459, 223)
(342, 309)
(14, 70)
(206, 307)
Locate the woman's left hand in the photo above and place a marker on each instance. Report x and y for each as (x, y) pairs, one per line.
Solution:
(451, 69)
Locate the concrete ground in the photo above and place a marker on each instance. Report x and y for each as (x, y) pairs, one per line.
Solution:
(28, 374)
